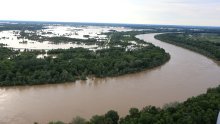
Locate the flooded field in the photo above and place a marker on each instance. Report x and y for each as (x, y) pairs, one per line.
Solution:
(13, 40)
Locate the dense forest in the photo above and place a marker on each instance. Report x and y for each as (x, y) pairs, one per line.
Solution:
(187, 40)
(202, 109)
(24, 68)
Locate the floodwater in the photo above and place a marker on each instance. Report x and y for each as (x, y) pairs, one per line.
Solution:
(187, 74)
(12, 40)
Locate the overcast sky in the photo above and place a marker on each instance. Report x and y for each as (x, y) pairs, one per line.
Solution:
(179, 12)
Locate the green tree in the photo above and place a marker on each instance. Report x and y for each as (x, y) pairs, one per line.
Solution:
(113, 115)
(98, 120)
(78, 120)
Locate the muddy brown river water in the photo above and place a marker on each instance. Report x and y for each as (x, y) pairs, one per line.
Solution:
(187, 74)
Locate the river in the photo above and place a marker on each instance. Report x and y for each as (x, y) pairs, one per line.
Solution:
(187, 74)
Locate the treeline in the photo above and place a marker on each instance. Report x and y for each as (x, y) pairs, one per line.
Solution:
(71, 64)
(206, 48)
(57, 40)
(5, 52)
(21, 26)
(202, 109)
(124, 38)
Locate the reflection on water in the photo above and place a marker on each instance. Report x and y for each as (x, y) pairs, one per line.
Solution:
(186, 74)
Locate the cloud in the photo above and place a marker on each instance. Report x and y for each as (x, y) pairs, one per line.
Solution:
(189, 12)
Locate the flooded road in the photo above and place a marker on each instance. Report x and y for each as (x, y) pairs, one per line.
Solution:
(186, 74)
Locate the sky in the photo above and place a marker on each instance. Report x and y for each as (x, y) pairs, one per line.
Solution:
(172, 12)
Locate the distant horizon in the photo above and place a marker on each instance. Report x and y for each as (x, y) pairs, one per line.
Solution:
(163, 12)
(52, 21)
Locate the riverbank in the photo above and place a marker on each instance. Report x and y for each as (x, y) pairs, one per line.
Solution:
(190, 41)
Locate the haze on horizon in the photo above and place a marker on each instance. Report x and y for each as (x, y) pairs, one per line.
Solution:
(174, 12)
